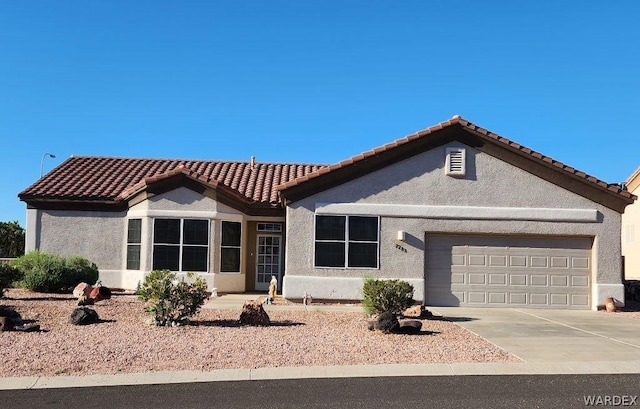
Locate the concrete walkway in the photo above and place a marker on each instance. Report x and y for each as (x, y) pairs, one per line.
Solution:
(549, 341)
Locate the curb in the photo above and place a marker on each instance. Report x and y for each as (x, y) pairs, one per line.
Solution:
(356, 371)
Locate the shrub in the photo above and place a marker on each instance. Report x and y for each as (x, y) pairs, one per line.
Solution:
(49, 273)
(170, 301)
(381, 296)
(8, 275)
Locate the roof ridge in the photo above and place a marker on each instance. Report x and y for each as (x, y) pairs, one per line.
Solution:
(192, 160)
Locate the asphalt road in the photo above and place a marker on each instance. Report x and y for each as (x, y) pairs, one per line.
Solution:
(496, 391)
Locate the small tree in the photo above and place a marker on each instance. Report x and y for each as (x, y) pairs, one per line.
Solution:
(11, 239)
(381, 296)
(170, 301)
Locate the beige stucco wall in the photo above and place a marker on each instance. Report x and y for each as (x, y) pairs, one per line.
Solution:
(101, 236)
(97, 236)
(631, 237)
(421, 181)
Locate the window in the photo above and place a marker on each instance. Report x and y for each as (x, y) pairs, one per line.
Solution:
(134, 240)
(455, 162)
(180, 244)
(230, 247)
(346, 241)
(270, 227)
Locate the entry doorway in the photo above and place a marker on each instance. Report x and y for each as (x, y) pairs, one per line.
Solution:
(268, 261)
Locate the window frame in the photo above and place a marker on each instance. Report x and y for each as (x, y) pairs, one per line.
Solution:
(133, 244)
(264, 227)
(181, 245)
(347, 242)
(231, 247)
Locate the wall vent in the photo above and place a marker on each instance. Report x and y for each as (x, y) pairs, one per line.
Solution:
(455, 164)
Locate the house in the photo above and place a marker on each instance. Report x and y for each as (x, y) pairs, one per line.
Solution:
(630, 225)
(465, 215)
(222, 220)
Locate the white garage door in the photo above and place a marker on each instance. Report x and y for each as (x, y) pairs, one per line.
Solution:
(488, 271)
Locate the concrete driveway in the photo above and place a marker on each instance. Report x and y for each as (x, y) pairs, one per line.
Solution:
(552, 335)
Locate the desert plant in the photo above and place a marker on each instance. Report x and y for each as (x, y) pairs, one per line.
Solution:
(171, 301)
(49, 273)
(381, 296)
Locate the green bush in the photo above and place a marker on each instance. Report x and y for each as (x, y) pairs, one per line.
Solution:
(380, 296)
(8, 275)
(49, 273)
(170, 301)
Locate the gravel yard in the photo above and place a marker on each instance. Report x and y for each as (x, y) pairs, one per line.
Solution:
(123, 343)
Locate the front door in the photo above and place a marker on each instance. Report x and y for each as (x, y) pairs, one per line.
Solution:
(268, 260)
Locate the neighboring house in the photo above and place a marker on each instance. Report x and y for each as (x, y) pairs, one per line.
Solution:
(467, 216)
(631, 231)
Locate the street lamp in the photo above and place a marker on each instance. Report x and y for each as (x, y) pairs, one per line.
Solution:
(51, 155)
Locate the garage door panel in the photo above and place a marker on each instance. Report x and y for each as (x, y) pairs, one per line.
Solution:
(504, 271)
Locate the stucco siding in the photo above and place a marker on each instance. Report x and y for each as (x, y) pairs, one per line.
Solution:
(98, 236)
(420, 180)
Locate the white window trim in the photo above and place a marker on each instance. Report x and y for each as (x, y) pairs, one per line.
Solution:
(181, 244)
(346, 243)
(127, 244)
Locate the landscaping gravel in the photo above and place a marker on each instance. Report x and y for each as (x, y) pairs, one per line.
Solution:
(122, 342)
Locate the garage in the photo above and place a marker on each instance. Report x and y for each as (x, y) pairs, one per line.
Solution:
(508, 271)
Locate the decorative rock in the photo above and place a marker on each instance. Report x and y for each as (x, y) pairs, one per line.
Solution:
(411, 327)
(84, 316)
(610, 304)
(254, 314)
(6, 324)
(387, 322)
(85, 301)
(100, 293)
(12, 314)
(417, 311)
(82, 290)
(27, 328)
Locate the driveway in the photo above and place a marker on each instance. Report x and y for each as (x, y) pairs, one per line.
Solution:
(552, 335)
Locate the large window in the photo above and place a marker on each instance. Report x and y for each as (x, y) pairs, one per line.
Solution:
(346, 241)
(134, 241)
(230, 247)
(180, 244)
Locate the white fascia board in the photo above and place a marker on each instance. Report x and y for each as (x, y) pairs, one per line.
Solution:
(460, 212)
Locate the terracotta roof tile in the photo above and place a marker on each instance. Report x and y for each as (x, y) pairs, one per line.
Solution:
(109, 179)
(457, 120)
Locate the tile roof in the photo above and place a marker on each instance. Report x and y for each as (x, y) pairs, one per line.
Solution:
(461, 122)
(109, 179)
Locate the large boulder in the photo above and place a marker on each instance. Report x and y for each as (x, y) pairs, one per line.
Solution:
(254, 314)
(387, 322)
(84, 316)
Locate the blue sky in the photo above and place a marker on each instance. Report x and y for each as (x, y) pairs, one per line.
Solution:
(314, 82)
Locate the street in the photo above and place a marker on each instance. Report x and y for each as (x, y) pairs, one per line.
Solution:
(496, 391)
